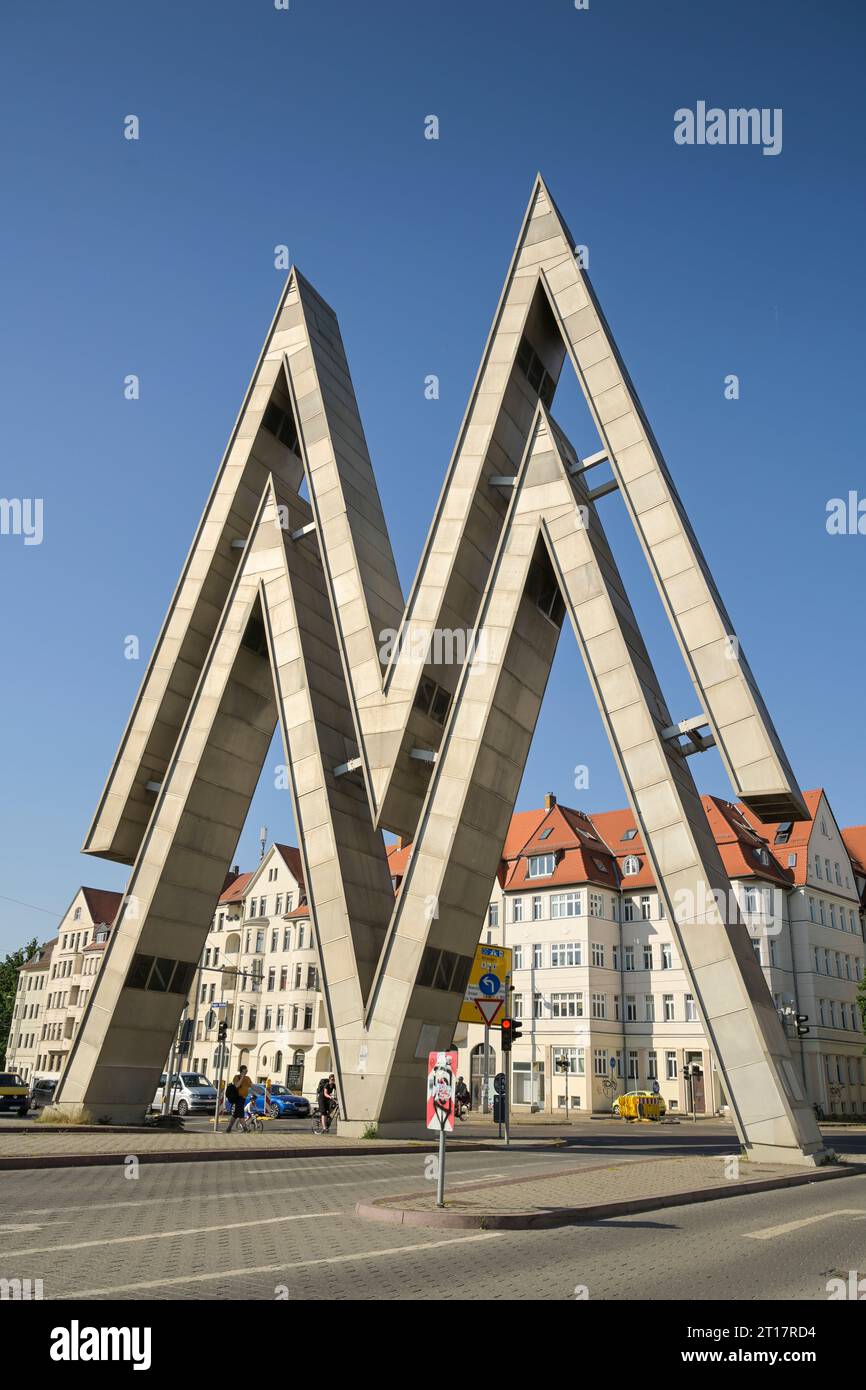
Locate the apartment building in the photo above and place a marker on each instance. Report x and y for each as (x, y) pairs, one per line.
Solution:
(54, 986)
(260, 964)
(605, 1002)
(597, 978)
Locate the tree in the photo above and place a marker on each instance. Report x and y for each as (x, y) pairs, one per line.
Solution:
(9, 971)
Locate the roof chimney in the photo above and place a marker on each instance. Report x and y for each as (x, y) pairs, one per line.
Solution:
(549, 801)
(236, 869)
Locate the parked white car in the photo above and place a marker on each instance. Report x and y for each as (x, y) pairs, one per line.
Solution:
(191, 1094)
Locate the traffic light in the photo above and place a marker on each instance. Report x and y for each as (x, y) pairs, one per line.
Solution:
(222, 1031)
(803, 1025)
(512, 1031)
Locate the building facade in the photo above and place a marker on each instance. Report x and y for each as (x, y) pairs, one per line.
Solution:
(604, 1000)
(54, 986)
(598, 984)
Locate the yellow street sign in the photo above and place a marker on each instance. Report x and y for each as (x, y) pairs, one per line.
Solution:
(486, 998)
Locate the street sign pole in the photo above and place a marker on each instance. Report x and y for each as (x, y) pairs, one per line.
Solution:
(485, 1074)
(440, 1178)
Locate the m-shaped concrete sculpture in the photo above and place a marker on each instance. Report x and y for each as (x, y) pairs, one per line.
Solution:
(286, 610)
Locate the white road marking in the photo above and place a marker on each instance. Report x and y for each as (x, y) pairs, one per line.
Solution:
(279, 1268)
(31, 1226)
(232, 1195)
(170, 1235)
(768, 1232)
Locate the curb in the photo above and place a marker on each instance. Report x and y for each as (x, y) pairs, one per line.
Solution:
(236, 1155)
(572, 1216)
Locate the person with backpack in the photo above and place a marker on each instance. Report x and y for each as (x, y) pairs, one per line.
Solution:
(236, 1099)
(326, 1096)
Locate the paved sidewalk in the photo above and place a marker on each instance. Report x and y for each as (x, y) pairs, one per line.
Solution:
(44, 1147)
(70, 1148)
(570, 1196)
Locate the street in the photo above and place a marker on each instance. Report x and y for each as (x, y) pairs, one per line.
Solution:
(285, 1229)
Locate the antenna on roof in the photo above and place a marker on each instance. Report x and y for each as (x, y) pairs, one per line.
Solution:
(263, 840)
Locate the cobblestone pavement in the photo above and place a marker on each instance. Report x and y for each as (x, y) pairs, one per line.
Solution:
(275, 1229)
(564, 1186)
(38, 1140)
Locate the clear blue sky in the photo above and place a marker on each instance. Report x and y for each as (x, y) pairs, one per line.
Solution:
(261, 127)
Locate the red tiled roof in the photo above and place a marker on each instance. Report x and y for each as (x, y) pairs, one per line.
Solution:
(398, 858)
(854, 837)
(524, 825)
(292, 856)
(102, 904)
(611, 827)
(46, 952)
(798, 840)
(235, 891)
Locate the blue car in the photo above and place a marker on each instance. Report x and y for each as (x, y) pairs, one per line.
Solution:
(283, 1104)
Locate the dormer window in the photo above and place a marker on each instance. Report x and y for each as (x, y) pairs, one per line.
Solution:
(630, 833)
(783, 834)
(761, 855)
(541, 865)
(630, 866)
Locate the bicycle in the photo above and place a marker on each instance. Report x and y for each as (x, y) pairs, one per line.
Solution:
(319, 1128)
(251, 1123)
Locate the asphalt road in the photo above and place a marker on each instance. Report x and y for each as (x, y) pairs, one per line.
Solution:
(267, 1229)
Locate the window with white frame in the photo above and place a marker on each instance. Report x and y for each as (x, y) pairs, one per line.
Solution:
(645, 906)
(568, 1005)
(599, 1061)
(631, 1008)
(517, 910)
(536, 907)
(671, 1066)
(667, 956)
(599, 1006)
(576, 1058)
(633, 1072)
(518, 957)
(596, 905)
(597, 953)
(628, 958)
(565, 905)
(541, 865)
(537, 955)
(652, 1065)
(630, 866)
(668, 1001)
(649, 1005)
(647, 957)
(565, 953)
(691, 1010)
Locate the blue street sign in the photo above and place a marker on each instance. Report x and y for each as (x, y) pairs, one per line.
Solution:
(612, 1064)
(489, 984)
